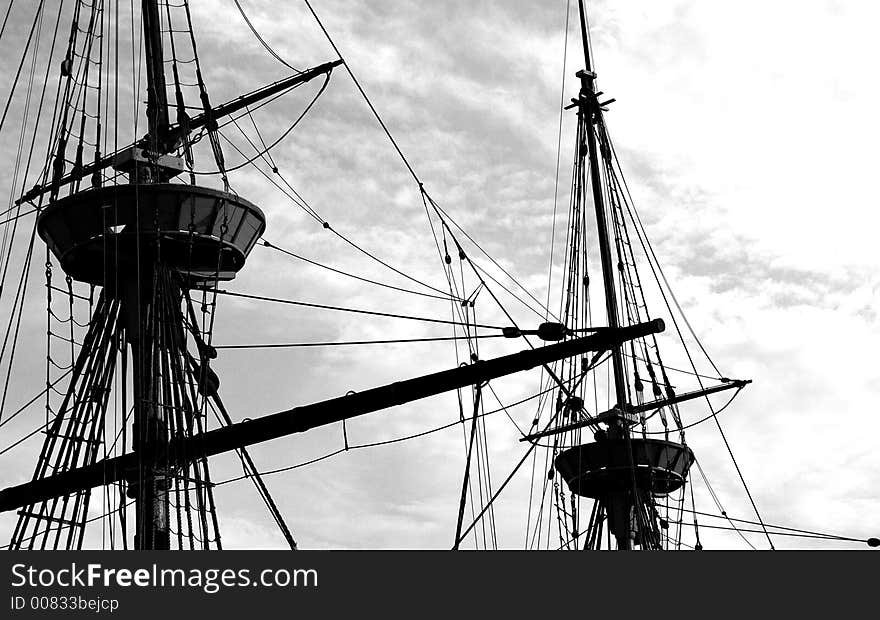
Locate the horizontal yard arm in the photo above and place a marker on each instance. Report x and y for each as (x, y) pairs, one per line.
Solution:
(614, 414)
(301, 419)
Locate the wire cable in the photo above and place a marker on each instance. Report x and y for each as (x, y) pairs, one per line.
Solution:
(341, 309)
(267, 244)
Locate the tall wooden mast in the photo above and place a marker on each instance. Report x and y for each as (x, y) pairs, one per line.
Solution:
(157, 97)
(621, 473)
(588, 107)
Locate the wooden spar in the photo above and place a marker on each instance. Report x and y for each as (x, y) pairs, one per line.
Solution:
(150, 490)
(648, 406)
(301, 419)
(231, 107)
(588, 107)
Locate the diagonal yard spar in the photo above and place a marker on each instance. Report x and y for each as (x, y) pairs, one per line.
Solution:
(301, 419)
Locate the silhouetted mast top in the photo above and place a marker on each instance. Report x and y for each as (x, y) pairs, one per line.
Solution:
(588, 108)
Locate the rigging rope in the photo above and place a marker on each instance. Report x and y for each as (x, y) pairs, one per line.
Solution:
(267, 244)
(37, 20)
(440, 212)
(283, 345)
(262, 40)
(260, 153)
(794, 530)
(341, 309)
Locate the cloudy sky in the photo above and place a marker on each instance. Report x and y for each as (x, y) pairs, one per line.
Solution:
(747, 133)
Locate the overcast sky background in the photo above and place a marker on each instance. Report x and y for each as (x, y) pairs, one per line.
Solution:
(747, 131)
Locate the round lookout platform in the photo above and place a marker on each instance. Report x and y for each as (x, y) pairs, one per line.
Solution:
(101, 234)
(604, 468)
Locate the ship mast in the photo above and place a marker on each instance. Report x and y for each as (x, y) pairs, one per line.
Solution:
(621, 473)
(157, 97)
(146, 242)
(588, 107)
(619, 503)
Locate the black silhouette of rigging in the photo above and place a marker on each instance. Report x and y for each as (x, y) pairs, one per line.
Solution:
(131, 224)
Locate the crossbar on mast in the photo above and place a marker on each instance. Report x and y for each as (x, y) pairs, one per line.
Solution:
(301, 419)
